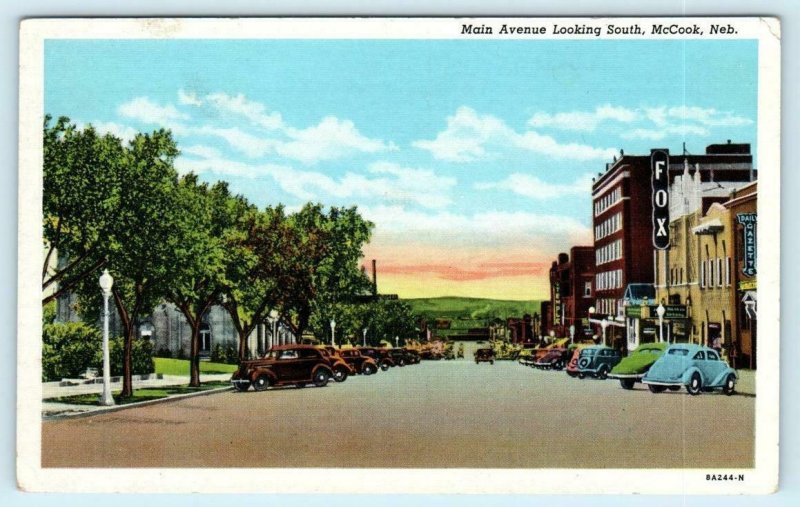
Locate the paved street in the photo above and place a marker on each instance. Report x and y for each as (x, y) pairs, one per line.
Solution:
(436, 414)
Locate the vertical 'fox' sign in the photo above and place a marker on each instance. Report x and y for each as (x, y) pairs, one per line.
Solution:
(659, 164)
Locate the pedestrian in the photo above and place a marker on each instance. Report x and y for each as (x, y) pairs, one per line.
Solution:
(716, 344)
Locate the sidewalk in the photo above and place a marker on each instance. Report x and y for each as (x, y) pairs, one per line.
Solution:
(53, 390)
(747, 382)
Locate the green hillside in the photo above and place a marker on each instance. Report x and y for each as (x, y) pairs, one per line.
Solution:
(471, 309)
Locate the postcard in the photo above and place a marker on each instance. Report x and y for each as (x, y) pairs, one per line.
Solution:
(385, 255)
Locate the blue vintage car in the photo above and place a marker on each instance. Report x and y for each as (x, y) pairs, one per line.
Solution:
(694, 366)
(597, 361)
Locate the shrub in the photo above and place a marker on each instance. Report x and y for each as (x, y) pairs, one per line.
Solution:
(68, 349)
(163, 352)
(226, 353)
(141, 356)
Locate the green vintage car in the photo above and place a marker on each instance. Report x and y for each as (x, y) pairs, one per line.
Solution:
(631, 369)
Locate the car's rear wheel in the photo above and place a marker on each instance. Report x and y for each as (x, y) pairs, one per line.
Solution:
(340, 375)
(261, 382)
(368, 369)
(242, 386)
(385, 366)
(491, 362)
(581, 375)
(321, 378)
(401, 363)
(695, 385)
(627, 383)
(656, 388)
(603, 373)
(730, 385)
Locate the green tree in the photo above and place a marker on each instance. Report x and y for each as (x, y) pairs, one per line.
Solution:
(211, 225)
(258, 270)
(80, 201)
(147, 238)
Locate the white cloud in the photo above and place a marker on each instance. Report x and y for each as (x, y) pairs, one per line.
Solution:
(188, 98)
(254, 111)
(123, 132)
(708, 116)
(532, 187)
(221, 166)
(492, 227)
(584, 121)
(147, 111)
(199, 150)
(468, 134)
(663, 131)
(331, 138)
(249, 144)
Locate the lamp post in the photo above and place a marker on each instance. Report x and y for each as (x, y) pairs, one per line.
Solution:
(333, 332)
(273, 319)
(106, 283)
(365, 337)
(604, 325)
(396, 341)
(660, 311)
(572, 333)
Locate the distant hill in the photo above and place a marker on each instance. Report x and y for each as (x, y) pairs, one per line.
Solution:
(473, 309)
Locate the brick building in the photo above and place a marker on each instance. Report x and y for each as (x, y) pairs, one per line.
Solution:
(571, 295)
(622, 212)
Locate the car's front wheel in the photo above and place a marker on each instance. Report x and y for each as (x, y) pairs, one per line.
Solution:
(627, 383)
(261, 382)
(368, 369)
(321, 378)
(385, 366)
(242, 386)
(695, 385)
(340, 375)
(656, 388)
(730, 385)
(581, 375)
(603, 373)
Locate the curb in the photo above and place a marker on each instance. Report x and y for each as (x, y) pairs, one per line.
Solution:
(117, 408)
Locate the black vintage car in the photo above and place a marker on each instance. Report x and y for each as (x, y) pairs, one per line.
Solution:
(484, 356)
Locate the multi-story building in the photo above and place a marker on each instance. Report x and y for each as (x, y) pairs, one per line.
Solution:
(622, 199)
(571, 294)
(743, 217)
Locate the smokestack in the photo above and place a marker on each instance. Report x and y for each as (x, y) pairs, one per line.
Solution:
(374, 277)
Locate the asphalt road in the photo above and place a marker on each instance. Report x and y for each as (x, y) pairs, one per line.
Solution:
(435, 414)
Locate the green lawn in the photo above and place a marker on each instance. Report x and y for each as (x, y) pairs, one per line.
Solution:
(167, 366)
(139, 395)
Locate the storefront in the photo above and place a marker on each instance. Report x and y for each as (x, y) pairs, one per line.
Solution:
(644, 326)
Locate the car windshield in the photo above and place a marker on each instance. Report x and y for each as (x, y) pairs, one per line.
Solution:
(589, 352)
(679, 352)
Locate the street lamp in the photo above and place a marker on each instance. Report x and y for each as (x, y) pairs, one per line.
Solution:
(572, 333)
(106, 283)
(333, 332)
(604, 325)
(365, 337)
(273, 319)
(396, 341)
(661, 311)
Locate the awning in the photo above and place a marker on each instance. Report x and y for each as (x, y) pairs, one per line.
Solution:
(710, 227)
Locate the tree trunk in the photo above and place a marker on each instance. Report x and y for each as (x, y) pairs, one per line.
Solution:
(194, 369)
(242, 345)
(127, 358)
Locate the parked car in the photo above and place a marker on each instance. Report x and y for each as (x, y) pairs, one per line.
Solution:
(358, 362)
(632, 368)
(284, 365)
(399, 356)
(597, 361)
(526, 356)
(341, 370)
(554, 359)
(484, 356)
(413, 356)
(696, 367)
(380, 356)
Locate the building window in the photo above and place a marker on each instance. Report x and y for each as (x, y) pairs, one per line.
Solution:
(719, 272)
(587, 289)
(702, 274)
(728, 271)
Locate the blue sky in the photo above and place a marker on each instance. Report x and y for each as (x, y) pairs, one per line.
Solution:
(474, 158)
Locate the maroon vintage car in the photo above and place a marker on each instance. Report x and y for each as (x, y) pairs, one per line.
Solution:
(379, 355)
(341, 369)
(359, 362)
(284, 365)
